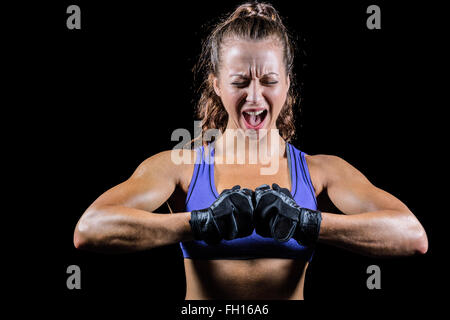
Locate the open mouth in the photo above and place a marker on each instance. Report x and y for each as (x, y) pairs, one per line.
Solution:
(254, 119)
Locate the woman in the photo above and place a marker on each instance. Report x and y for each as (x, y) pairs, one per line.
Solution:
(247, 233)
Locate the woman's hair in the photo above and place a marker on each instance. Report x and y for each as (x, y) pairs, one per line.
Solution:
(250, 21)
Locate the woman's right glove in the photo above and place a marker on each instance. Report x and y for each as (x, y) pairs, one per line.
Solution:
(229, 217)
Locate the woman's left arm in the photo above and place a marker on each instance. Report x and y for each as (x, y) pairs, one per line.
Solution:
(375, 223)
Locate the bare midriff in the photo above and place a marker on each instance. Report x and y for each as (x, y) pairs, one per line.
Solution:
(253, 279)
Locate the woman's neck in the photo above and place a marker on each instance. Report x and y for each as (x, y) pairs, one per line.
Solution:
(236, 147)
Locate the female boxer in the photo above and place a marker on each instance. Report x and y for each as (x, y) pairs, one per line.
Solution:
(246, 233)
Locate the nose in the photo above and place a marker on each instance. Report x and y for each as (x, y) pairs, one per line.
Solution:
(254, 92)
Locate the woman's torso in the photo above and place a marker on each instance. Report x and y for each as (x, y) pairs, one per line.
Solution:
(254, 277)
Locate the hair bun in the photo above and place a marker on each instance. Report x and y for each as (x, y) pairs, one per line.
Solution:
(259, 9)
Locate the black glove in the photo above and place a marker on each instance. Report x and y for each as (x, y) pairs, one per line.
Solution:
(229, 217)
(278, 216)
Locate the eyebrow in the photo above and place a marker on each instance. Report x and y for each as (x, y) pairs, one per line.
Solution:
(244, 76)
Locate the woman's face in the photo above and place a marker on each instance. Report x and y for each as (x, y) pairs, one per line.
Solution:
(252, 83)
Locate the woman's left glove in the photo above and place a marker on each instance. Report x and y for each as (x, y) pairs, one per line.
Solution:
(278, 216)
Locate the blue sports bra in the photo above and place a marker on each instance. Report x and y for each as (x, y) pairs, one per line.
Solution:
(202, 193)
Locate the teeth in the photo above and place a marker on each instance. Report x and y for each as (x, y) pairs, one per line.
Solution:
(254, 113)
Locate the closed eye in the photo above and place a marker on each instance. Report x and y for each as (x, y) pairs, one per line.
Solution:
(240, 84)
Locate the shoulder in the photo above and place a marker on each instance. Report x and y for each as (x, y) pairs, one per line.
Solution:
(169, 164)
(326, 161)
(328, 169)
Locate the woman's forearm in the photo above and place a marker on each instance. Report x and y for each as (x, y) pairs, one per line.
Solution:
(122, 229)
(380, 233)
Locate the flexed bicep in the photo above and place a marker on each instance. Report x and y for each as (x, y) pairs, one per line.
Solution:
(122, 218)
(351, 192)
(147, 189)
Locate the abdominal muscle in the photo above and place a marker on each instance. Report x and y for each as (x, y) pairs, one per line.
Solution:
(254, 279)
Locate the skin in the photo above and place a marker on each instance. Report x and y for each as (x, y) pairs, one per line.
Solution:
(374, 222)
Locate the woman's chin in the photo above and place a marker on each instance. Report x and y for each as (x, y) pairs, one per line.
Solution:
(256, 135)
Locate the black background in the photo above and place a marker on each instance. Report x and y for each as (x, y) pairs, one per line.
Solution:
(100, 100)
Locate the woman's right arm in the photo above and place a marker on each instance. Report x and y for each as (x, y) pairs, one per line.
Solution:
(121, 219)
